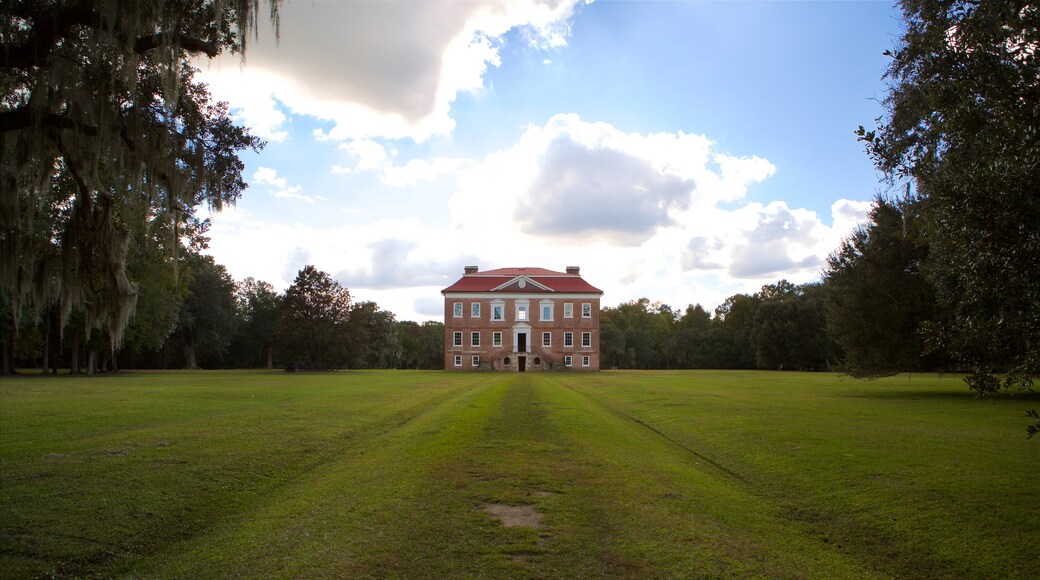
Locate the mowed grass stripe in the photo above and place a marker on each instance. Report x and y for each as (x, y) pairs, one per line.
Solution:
(377, 508)
(909, 475)
(668, 512)
(96, 476)
(385, 474)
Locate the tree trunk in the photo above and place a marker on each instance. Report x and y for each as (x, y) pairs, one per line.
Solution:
(47, 343)
(270, 357)
(91, 359)
(5, 359)
(189, 357)
(74, 355)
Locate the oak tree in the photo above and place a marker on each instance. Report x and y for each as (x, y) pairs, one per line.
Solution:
(103, 126)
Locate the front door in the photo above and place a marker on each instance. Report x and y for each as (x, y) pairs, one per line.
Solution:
(521, 362)
(521, 342)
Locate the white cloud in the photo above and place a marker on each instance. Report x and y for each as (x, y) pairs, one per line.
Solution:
(281, 187)
(268, 176)
(335, 61)
(657, 215)
(369, 154)
(420, 170)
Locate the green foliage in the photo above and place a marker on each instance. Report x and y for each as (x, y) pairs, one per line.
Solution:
(962, 126)
(783, 325)
(312, 327)
(1035, 427)
(207, 316)
(790, 328)
(104, 130)
(372, 338)
(257, 306)
(878, 298)
(422, 346)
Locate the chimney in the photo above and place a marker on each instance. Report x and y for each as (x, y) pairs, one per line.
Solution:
(470, 269)
(573, 270)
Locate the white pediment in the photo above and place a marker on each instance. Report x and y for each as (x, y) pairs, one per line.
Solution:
(521, 282)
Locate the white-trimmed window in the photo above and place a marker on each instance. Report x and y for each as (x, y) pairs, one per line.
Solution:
(586, 310)
(474, 339)
(496, 339)
(498, 310)
(586, 339)
(546, 309)
(458, 360)
(546, 339)
(568, 361)
(457, 338)
(568, 339)
(476, 360)
(474, 310)
(585, 361)
(568, 310)
(458, 310)
(521, 310)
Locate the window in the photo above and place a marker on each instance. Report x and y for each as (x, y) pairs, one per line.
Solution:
(546, 339)
(458, 360)
(458, 310)
(584, 361)
(474, 339)
(474, 310)
(568, 339)
(568, 361)
(586, 339)
(586, 310)
(476, 360)
(547, 310)
(521, 311)
(496, 339)
(458, 339)
(498, 310)
(568, 310)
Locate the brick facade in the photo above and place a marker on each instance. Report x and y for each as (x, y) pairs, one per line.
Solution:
(516, 319)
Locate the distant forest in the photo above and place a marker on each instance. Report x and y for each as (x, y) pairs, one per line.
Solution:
(865, 318)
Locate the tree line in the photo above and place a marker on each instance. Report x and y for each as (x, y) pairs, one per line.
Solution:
(867, 317)
(199, 317)
(783, 326)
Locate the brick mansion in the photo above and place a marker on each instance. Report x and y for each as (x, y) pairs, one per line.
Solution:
(520, 320)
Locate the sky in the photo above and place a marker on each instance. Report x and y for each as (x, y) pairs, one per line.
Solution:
(679, 151)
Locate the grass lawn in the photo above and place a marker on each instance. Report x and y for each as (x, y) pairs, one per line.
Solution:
(636, 474)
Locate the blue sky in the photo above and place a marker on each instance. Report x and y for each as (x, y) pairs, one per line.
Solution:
(679, 151)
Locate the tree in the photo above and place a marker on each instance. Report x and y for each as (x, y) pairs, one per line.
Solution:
(733, 323)
(611, 345)
(421, 345)
(257, 307)
(102, 126)
(372, 337)
(962, 125)
(878, 298)
(207, 316)
(789, 329)
(312, 324)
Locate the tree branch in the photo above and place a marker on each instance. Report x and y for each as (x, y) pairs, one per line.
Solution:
(47, 28)
(22, 118)
(188, 43)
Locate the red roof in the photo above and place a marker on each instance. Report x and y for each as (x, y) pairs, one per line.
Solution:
(494, 280)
